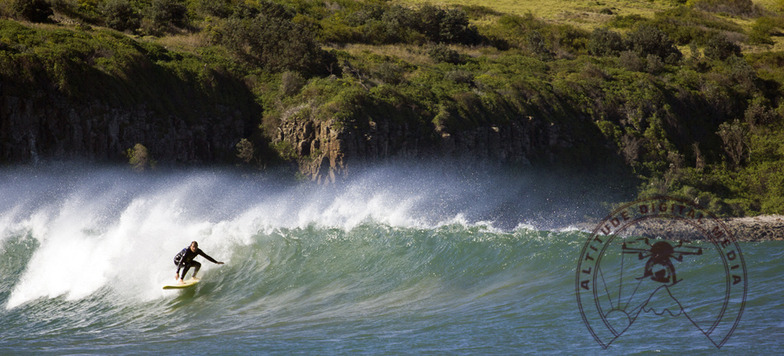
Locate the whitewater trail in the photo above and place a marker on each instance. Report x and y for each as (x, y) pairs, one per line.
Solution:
(393, 260)
(97, 228)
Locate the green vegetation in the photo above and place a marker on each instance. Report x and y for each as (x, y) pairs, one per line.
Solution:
(139, 158)
(686, 95)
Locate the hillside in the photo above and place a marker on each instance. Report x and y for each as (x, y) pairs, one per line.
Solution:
(684, 97)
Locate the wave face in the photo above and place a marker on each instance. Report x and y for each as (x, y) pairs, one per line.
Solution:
(396, 260)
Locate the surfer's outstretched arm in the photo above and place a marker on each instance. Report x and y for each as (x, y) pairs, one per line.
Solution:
(209, 258)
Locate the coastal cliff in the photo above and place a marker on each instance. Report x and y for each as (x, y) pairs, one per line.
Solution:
(326, 150)
(51, 126)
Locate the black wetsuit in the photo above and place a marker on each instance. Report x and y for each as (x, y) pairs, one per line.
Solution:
(184, 260)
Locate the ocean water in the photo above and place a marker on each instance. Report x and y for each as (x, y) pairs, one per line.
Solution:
(396, 260)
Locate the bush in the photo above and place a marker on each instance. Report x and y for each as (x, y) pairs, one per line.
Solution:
(447, 26)
(631, 61)
(33, 10)
(734, 136)
(646, 39)
(119, 15)
(719, 47)
(459, 76)
(538, 45)
(139, 158)
(442, 53)
(653, 64)
(761, 30)
(389, 73)
(604, 42)
(276, 44)
(291, 83)
(245, 150)
(164, 15)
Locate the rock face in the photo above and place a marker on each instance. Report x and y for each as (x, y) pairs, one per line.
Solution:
(327, 150)
(47, 125)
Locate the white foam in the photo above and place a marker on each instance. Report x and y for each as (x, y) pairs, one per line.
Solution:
(82, 250)
(115, 229)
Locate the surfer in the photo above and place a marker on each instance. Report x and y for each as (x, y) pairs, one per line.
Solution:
(184, 260)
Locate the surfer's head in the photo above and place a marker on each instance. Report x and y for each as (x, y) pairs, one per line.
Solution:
(194, 246)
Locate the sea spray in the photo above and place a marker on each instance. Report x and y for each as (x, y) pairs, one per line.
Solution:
(394, 260)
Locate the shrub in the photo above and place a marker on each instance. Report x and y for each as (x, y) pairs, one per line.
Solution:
(217, 8)
(454, 28)
(139, 158)
(389, 73)
(276, 44)
(646, 39)
(759, 112)
(291, 83)
(448, 26)
(33, 10)
(538, 45)
(653, 64)
(604, 42)
(719, 47)
(442, 53)
(631, 61)
(245, 150)
(459, 76)
(119, 15)
(569, 38)
(760, 31)
(163, 15)
(734, 137)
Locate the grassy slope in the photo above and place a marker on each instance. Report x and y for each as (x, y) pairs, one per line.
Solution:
(583, 13)
(590, 14)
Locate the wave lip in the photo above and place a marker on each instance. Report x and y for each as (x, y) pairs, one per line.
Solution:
(99, 227)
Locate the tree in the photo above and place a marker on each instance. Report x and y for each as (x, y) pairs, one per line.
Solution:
(647, 39)
(733, 135)
(245, 150)
(33, 10)
(120, 15)
(277, 44)
(162, 15)
(139, 158)
(448, 26)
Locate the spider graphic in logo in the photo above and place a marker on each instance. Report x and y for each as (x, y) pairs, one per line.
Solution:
(627, 281)
(659, 266)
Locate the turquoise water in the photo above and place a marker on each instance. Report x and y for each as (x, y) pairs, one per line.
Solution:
(384, 264)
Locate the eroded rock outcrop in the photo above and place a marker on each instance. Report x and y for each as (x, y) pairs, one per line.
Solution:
(327, 149)
(48, 125)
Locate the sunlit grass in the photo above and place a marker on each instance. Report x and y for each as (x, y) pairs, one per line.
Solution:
(184, 42)
(582, 13)
(586, 14)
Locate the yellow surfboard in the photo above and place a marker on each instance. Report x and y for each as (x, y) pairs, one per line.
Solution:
(188, 283)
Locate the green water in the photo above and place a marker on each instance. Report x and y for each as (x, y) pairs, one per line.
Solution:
(358, 269)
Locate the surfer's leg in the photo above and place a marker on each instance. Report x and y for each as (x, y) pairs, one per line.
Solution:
(185, 270)
(196, 267)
